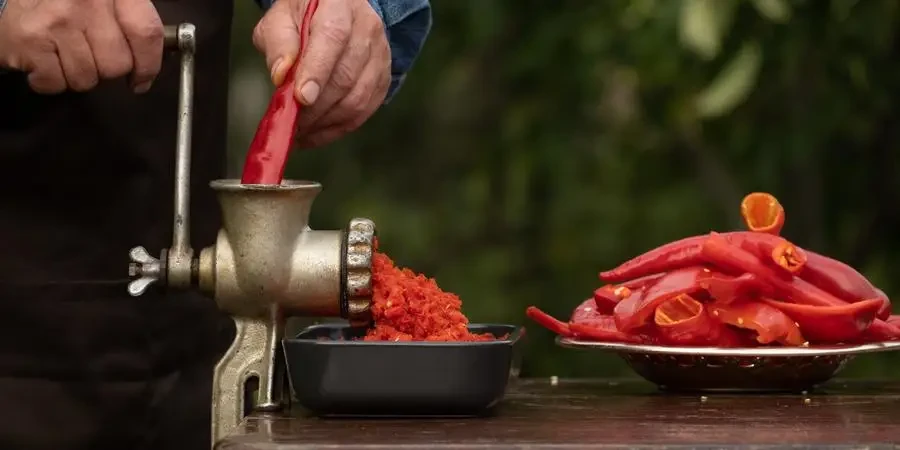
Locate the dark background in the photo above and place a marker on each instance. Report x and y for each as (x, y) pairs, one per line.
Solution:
(537, 142)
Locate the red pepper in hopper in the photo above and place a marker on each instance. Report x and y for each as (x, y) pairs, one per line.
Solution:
(830, 324)
(770, 324)
(763, 213)
(274, 137)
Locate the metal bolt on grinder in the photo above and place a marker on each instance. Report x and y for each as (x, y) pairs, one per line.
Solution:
(266, 265)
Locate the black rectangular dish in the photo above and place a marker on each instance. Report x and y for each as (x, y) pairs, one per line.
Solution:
(334, 374)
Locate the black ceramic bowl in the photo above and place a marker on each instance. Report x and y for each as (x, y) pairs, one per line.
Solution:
(331, 373)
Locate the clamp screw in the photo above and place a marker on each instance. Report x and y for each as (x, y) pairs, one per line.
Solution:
(145, 268)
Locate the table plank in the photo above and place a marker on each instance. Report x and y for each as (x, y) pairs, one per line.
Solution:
(595, 414)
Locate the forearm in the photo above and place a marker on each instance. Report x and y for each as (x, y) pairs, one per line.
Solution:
(407, 23)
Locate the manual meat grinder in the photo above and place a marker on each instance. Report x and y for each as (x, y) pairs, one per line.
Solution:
(266, 265)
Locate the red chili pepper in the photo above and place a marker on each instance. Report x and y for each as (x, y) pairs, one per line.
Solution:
(726, 289)
(601, 328)
(720, 253)
(683, 320)
(607, 297)
(678, 255)
(893, 320)
(881, 331)
(786, 257)
(549, 322)
(642, 282)
(763, 213)
(635, 310)
(731, 337)
(586, 310)
(274, 137)
(830, 324)
(769, 323)
(842, 281)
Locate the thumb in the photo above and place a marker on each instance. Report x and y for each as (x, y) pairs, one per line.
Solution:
(276, 36)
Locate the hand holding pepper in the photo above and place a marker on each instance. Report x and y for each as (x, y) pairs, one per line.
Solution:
(344, 74)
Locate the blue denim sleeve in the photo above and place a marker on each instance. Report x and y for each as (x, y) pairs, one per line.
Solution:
(407, 23)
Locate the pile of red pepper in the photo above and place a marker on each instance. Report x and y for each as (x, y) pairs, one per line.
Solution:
(736, 289)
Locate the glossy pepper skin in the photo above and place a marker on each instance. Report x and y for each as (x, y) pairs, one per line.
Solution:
(769, 324)
(586, 323)
(682, 320)
(549, 322)
(274, 138)
(607, 297)
(637, 309)
(830, 324)
(725, 289)
(718, 252)
(842, 281)
(680, 254)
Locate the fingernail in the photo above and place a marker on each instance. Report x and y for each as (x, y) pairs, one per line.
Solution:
(309, 92)
(275, 67)
(143, 87)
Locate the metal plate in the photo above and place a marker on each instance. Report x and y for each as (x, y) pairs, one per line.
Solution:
(713, 369)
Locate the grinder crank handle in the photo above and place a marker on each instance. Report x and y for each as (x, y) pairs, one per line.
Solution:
(174, 266)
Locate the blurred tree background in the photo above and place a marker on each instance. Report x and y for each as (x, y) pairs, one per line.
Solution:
(536, 143)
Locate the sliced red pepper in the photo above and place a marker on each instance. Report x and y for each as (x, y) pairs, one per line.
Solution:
(549, 322)
(881, 331)
(717, 251)
(770, 324)
(781, 254)
(830, 324)
(274, 137)
(590, 324)
(726, 289)
(642, 282)
(731, 337)
(586, 310)
(681, 254)
(763, 213)
(601, 328)
(636, 310)
(842, 281)
(607, 297)
(682, 320)
(893, 320)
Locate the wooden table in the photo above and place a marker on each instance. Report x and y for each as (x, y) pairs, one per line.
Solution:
(595, 414)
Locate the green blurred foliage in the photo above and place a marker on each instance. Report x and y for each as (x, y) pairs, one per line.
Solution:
(536, 143)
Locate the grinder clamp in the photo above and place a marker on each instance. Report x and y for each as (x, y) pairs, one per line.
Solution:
(266, 265)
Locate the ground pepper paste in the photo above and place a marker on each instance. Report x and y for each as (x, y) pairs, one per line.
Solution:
(407, 306)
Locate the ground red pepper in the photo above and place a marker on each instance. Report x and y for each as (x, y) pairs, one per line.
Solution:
(407, 306)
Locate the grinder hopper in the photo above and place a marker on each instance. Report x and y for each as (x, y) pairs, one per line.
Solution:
(266, 265)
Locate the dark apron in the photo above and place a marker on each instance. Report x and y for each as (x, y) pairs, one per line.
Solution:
(85, 178)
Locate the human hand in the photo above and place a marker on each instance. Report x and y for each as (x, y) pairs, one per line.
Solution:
(345, 72)
(73, 44)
